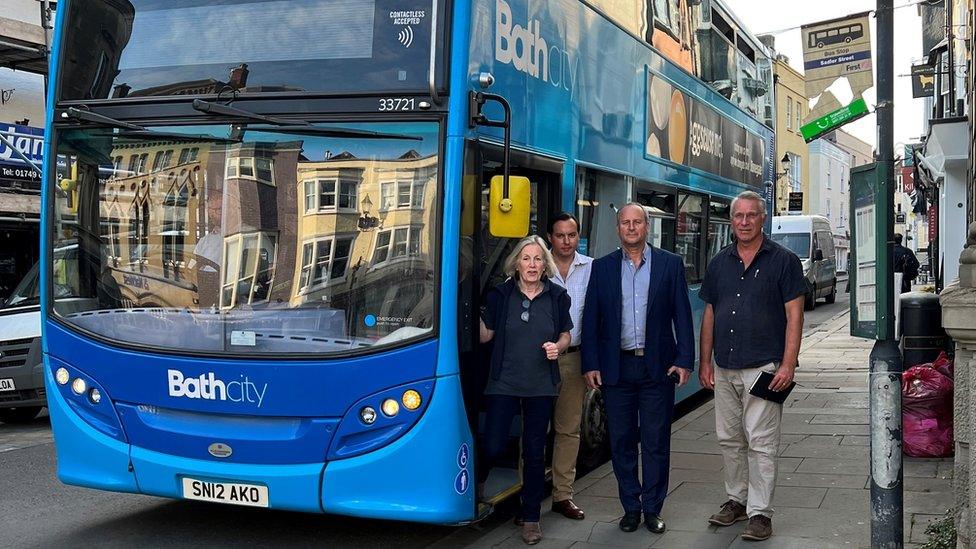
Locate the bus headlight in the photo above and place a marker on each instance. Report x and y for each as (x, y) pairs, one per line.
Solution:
(411, 400)
(62, 376)
(79, 386)
(95, 396)
(367, 415)
(390, 407)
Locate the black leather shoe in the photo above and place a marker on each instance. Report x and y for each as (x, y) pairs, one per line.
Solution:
(654, 523)
(630, 521)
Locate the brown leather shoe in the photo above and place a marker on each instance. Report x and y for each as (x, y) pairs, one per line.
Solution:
(568, 509)
(731, 512)
(531, 533)
(760, 528)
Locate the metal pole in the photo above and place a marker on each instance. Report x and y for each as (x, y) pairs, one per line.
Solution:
(950, 70)
(887, 498)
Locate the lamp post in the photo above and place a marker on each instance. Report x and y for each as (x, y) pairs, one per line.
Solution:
(786, 162)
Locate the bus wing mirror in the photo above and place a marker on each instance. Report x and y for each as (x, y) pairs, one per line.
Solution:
(509, 196)
(508, 216)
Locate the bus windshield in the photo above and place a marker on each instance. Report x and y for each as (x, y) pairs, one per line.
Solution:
(140, 48)
(255, 241)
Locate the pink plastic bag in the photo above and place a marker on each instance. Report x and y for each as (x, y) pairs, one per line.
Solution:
(926, 412)
(943, 365)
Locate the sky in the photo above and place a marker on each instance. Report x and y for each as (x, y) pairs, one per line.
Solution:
(762, 16)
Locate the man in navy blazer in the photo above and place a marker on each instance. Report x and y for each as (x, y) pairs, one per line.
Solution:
(637, 331)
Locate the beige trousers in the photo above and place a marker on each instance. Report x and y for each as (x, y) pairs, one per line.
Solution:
(566, 423)
(748, 430)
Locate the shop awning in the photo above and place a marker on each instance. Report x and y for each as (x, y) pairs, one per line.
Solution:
(947, 146)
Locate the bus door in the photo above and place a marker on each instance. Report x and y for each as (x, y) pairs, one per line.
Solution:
(482, 259)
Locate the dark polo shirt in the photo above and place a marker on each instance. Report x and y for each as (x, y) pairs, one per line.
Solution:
(748, 304)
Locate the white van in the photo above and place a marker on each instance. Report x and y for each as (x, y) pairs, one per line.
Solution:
(21, 373)
(811, 239)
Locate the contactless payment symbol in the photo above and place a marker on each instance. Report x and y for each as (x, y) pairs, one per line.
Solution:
(462, 456)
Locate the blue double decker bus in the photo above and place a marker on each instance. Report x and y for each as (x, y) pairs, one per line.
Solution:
(269, 229)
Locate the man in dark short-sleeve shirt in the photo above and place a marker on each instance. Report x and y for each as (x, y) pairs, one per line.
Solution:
(753, 322)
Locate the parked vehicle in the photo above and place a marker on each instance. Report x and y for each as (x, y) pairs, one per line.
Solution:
(811, 239)
(21, 370)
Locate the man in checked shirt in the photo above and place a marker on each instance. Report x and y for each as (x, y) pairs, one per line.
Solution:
(572, 273)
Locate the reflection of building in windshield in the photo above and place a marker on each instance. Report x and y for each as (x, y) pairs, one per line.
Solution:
(195, 225)
(365, 236)
(259, 211)
(151, 218)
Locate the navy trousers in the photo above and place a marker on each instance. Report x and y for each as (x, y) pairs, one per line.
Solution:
(640, 409)
(536, 413)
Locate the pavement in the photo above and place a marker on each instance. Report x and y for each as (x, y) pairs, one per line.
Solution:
(822, 499)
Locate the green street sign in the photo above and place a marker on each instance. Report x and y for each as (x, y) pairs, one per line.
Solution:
(831, 121)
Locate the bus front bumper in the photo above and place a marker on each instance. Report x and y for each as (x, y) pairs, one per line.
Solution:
(424, 476)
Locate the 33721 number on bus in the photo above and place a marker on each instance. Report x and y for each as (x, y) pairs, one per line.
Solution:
(397, 104)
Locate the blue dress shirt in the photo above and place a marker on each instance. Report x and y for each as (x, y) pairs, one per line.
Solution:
(635, 281)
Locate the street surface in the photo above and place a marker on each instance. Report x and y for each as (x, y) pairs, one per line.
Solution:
(39, 511)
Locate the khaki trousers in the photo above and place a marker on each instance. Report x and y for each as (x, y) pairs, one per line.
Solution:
(566, 423)
(748, 430)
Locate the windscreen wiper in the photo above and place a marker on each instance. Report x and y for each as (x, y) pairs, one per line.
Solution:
(154, 134)
(227, 110)
(88, 116)
(128, 129)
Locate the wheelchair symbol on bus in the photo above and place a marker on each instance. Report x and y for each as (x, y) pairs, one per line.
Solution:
(462, 456)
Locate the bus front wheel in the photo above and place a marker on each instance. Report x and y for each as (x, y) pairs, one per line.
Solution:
(594, 436)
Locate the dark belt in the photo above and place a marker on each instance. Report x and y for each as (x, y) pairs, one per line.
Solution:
(632, 352)
(572, 349)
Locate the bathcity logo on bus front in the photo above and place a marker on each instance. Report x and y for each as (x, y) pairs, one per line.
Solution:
(208, 387)
(526, 50)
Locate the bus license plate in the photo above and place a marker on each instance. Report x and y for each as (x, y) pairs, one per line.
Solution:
(7, 384)
(234, 493)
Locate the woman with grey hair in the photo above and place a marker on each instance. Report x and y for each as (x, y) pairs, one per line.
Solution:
(528, 318)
